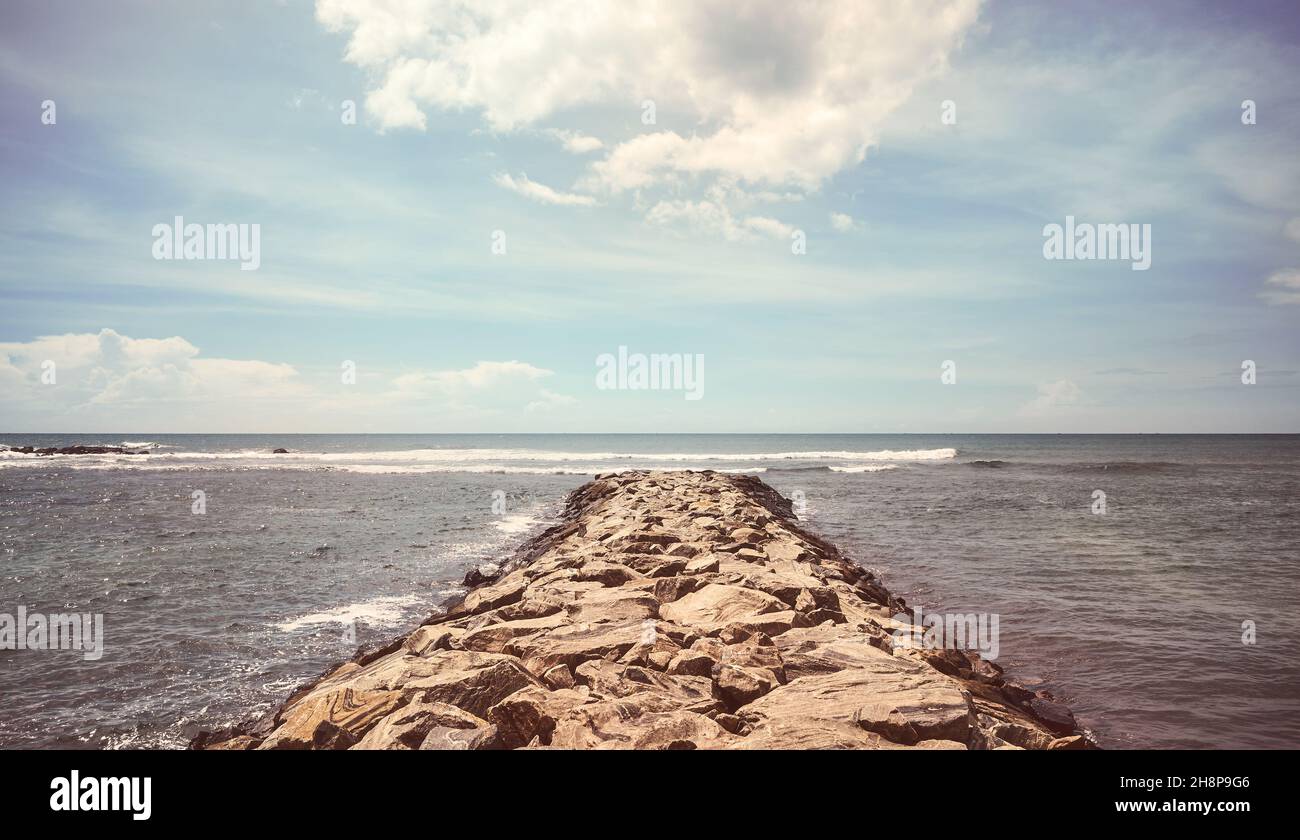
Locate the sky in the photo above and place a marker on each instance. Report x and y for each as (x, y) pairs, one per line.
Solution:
(825, 202)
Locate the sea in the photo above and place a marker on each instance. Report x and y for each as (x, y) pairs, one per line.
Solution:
(1152, 582)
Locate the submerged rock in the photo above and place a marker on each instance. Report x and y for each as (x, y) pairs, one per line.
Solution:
(667, 611)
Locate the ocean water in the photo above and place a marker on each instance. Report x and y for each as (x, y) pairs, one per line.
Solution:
(1133, 616)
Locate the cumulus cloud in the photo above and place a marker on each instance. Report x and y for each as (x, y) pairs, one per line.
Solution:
(779, 94)
(110, 369)
(107, 379)
(541, 192)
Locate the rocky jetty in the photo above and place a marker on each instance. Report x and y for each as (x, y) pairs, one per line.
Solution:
(683, 610)
(77, 450)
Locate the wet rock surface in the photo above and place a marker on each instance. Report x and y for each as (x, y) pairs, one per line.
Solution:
(682, 610)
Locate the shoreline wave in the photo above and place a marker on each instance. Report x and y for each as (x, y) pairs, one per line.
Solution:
(498, 461)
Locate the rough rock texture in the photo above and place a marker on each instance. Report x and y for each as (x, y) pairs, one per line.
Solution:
(683, 610)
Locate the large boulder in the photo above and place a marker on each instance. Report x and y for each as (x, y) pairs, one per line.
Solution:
(342, 709)
(494, 637)
(903, 702)
(717, 605)
(409, 727)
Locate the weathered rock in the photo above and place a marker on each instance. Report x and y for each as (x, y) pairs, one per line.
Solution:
(531, 713)
(770, 624)
(607, 574)
(739, 685)
(1057, 716)
(429, 638)
(824, 650)
(79, 449)
(991, 732)
(702, 565)
(781, 550)
(716, 605)
(667, 611)
(899, 700)
(457, 738)
(607, 679)
(615, 604)
(342, 709)
(471, 681)
(573, 644)
(409, 727)
(505, 591)
(748, 535)
(558, 677)
(494, 637)
(641, 721)
(691, 663)
(668, 590)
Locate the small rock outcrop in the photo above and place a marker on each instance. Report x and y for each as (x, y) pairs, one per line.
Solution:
(681, 610)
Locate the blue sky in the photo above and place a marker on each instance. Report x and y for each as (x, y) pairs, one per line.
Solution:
(924, 239)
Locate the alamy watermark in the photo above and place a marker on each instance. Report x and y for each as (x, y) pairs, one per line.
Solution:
(180, 241)
(1087, 241)
(58, 631)
(109, 793)
(654, 372)
(949, 631)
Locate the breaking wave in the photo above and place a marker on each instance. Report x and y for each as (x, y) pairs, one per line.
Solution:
(503, 461)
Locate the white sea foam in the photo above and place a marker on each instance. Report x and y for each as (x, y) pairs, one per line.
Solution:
(861, 468)
(375, 612)
(516, 524)
(86, 462)
(504, 461)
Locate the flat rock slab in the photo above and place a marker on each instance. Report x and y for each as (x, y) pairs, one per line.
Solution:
(717, 605)
(903, 702)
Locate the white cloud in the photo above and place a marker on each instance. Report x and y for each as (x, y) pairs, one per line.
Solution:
(111, 371)
(541, 192)
(842, 222)
(776, 93)
(1053, 396)
(771, 227)
(486, 388)
(481, 376)
(575, 142)
(714, 217)
(110, 380)
(547, 401)
(1285, 286)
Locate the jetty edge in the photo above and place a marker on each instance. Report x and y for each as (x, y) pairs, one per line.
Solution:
(666, 610)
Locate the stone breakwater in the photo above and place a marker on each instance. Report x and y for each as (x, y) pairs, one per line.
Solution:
(683, 610)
